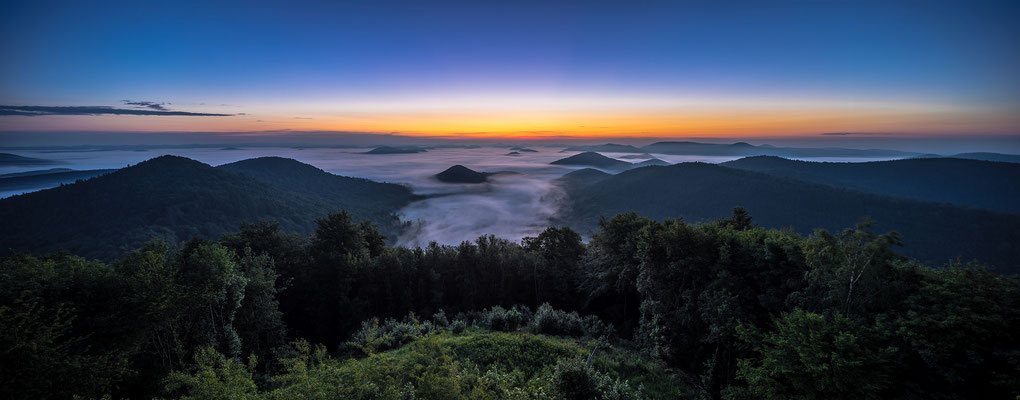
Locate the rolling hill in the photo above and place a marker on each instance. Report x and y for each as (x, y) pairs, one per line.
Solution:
(991, 185)
(697, 192)
(176, 198)
(593, 159)
(462, 174)
(364, 198)
(984, 156)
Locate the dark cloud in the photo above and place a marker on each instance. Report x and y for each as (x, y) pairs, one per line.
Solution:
(147, 104)
(96, 110)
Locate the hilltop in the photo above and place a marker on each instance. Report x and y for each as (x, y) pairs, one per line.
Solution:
(593, 159)
(462, 174)
(177, 198)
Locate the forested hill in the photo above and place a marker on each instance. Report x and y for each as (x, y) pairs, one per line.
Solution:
(697, 192)
(178, 198)
(984, 184)
(364, 197)
(34, 180)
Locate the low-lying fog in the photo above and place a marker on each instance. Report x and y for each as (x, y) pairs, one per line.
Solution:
(510, 206)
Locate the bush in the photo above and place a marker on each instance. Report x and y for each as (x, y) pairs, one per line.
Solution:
(575, 379)
(375, 337)
(500, 319)
(458, 326)
(550, 321)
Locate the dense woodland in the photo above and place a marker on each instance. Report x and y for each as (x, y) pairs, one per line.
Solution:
(646, 309)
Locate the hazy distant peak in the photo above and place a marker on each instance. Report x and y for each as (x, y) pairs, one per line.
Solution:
(461, 174)
(395, 150)
(590, 158)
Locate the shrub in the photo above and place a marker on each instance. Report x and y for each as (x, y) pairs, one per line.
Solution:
(575, 379)
(500, 319)
(375, 337)
(550, 321)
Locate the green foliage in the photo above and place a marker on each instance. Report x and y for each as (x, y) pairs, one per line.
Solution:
(809, 356)
(706, 311)
(961, 328)
(573, 379)
(215, 377)
(849, 268)
(50, 312)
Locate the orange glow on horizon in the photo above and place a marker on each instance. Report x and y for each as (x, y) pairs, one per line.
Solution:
(708, 121)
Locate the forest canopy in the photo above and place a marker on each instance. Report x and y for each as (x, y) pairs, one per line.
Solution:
(646, 309)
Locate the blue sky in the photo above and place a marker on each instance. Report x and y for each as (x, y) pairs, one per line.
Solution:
(914, 65)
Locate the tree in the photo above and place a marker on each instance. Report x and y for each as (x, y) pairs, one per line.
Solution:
(810, 356)
(609, 269)
(560, 249)
(849, 266)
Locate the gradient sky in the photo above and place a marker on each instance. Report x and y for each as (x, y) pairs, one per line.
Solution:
(518, 69)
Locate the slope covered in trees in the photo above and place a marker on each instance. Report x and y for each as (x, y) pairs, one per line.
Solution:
(41, 180)
(177, 198)
(699, 192)
(991, 185)
(363, 198)
(646, 310)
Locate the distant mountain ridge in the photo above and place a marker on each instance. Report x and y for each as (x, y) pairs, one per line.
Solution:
(606, 148)
(991, 185)
(983, 156)
(701, 192)
(395, 150)
(14, 160)
(740, 149)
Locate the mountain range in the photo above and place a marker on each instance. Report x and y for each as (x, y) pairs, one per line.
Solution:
(991, 185)
(932, 231)
(739, 149)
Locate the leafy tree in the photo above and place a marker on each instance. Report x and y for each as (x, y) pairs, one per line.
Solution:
(810, 356)
(849, 267)
(961, 329)
(610, 269)
(214, 377)
(560, 249)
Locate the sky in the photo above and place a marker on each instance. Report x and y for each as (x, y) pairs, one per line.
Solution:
(517, 69)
